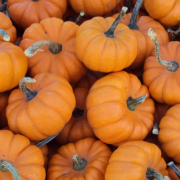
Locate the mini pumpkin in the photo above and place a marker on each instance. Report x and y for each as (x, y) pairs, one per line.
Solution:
(26, 12)
(119, 108)
(19, 157)
(56, 39)
(85, 159)
(40, 109)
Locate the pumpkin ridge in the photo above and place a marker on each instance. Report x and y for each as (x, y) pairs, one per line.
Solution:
(104, 46)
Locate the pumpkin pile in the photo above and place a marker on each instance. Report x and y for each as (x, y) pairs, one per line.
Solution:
(90, 90)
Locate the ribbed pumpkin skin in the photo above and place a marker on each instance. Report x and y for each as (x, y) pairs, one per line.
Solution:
(26, 158)
(45, 114)
(65, 62)
(169, 133)
(93, 7)
(107, 111)
(100, 53)
(167, 12)
(26, 12)
(172, 174)
(95, 152)
(6, 24)
(131, 160)
(163, 84)
(145, 44)
(13, 65)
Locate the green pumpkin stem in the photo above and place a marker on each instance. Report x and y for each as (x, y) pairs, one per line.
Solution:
(151, 174)
(3, 7)
(54, 47)
(132, 103)
(5, 35)
(7, 13)
(171, 65)
(132, 24)
(155, 129)
(6, 166)
(77, 112)
(22, 84)
(79, 17)
(78, 163)
(47, 140)
(110, 32)
(174, 168)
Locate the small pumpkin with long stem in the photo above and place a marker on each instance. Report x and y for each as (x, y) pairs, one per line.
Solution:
(119, 108)
(55, 41)
(140, 25)
(39, 110)
(19, 159)
(137, 160)
(84, 159)
(105, 45)
(161, 71)
(169, 133)
(24, 13)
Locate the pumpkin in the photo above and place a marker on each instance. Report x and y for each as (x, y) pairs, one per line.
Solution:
(78, 127)
(140, 25)
(137, 160)
(18, 156)
(173, 170)
(166, 12)
(7, 30)
(13, 65)
(84, 159)
(161, 72)
(26, 12)
(106, 48)
(169, 133)
(93, 8)
(3, 104)
(119, 108)
(58, 57)
(40, 109)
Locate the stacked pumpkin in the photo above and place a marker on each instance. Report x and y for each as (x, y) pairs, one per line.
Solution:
(89, 90)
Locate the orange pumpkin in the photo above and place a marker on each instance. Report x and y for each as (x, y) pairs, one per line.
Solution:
(7, 26)
(85, 159)
(166, 12)
(161, 72)
(25, 160)
(78, 127)
(40, 109)
(169, 133)
(136, 160)
(59, 56)
(13, 65)
(26, 12)
(94, 8)
(105, 45)
(119, 108)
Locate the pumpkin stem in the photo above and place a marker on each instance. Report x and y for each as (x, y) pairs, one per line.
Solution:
(132, 103)
(6, 166)
(155, 130)
(47, 140)
(79, 17)
(54, 47)
(3, 7)
(175, 34)
(78, 163)
(22, 84)
(151, 174)
(77, 112)
(5, 35)
(171, 65)
(132, 24)
(7, 13)
(174, 168)
(128, 5)
(110, 32)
